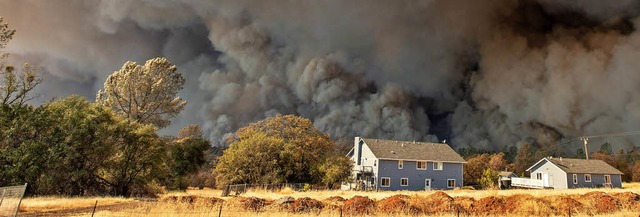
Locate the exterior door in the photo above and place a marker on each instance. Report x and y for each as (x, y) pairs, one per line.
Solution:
(545, 179)
(427, 184)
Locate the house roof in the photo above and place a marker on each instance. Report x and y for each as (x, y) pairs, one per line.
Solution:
(405, 150)
(571, 165)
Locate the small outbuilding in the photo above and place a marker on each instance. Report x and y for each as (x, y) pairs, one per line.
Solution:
(504, 179)
(563, 173)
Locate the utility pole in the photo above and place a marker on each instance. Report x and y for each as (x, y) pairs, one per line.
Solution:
(586, 150)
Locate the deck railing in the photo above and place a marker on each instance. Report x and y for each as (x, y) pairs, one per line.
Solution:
(527, 183)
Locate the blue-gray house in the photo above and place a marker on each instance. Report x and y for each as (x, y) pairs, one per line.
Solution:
(563, 173)
(404, 165)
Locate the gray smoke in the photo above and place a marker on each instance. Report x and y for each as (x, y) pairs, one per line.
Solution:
(484, 74)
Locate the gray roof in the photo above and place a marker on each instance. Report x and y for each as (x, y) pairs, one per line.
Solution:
(570, 165)
(405, 150)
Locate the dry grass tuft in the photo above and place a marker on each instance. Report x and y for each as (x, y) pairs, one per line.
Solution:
(490, 206)
(305, 205)
(395, 204)
(359, 205)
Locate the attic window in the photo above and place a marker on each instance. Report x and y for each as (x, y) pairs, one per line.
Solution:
(400, 164)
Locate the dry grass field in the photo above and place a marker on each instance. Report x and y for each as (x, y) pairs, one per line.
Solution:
(207, 202)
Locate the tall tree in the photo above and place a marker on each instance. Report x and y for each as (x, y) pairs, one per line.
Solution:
(145, 93)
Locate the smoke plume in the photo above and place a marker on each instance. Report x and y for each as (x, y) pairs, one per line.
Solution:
(483, 74)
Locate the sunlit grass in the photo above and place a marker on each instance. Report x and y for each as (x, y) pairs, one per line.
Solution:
(43, 204)
(230, 207)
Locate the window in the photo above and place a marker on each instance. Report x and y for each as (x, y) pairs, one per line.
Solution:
(451, 183)
(421, 165)
(587, 177)
(539, 176)
(404, 181)
(437, 165)
(607, 179)
(385, 182)
(400, 164)
(575, 178)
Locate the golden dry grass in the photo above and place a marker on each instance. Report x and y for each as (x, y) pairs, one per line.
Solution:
(232, 206)
(43, 204)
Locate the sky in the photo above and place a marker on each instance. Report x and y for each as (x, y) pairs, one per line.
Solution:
(482, 74)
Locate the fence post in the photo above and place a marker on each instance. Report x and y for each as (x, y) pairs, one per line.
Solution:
(20, 201)
(94, 208)
(220, 211)
(2, 197)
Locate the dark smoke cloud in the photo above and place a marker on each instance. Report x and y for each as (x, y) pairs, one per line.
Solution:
(485, 74)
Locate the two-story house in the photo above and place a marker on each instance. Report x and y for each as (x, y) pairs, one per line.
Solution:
(405, 165)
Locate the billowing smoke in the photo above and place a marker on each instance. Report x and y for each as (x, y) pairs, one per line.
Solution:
(485, 74)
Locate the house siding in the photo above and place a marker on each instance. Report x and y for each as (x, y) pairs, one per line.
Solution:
(557, 177)
(389, 168)
(367, 158)
(597, 180)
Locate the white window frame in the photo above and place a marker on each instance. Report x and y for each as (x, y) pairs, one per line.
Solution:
(438, 165)
(400, 164)
(539, 176)
(388, 182)
(418, 165)
(607, 179)
(451, 186)
(575, 179)
(402, 179)
(585, 178)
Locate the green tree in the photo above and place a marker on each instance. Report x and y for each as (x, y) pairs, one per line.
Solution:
(137, 162)
(24, 145)
(489, 178)
(285, 148)
(186, 155)
(606, 148)
(144, 93)
(85, 142)
(336, 169)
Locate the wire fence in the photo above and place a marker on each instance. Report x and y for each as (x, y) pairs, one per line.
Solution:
(239, 189)
(10, 198)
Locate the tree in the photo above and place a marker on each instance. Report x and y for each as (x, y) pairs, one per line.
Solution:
(284, 148)
(144, 93)
(524, 159)
(474, 168)
(6, 34)
(497, 162)
(186, 155)
(635, 172)
(606, 148)
(15, 85)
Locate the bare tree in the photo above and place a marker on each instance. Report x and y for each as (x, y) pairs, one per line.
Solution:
(145, 93)
(15, 85)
